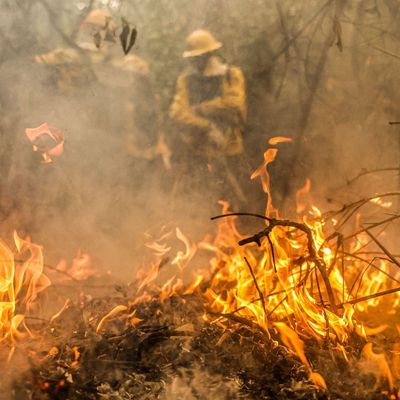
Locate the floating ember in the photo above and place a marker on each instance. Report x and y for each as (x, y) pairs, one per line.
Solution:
(46, 140)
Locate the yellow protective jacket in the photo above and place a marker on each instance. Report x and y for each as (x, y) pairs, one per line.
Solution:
(226, 111)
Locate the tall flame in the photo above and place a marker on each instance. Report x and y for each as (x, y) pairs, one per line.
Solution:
(20, 282)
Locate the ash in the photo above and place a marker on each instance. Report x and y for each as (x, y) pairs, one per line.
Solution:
(171, 354)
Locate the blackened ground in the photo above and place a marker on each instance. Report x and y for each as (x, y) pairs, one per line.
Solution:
(172, 353)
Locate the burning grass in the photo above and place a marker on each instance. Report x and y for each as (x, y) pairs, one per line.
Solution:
(300, 309)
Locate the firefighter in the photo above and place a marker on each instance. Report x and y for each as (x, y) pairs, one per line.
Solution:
(68, 69)
(209, 108)
(120, 97)
(74, 67)
(112, 117)
(130, 93)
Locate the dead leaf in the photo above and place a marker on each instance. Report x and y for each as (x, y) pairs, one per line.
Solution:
(127, 33)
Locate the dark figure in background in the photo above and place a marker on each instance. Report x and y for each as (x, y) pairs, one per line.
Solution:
(209, 108)
(106, 104)
(142, 120)
(129, 111)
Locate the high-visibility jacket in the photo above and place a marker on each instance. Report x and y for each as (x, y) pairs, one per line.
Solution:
(217, 98)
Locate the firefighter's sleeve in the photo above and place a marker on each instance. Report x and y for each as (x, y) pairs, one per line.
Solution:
(181, 111)
(232, 102)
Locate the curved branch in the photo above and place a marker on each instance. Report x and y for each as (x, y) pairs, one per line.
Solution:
(365, 172)
(310, 245)
(240, 214)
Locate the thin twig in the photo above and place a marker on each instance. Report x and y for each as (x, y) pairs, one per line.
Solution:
(60, 272)
(52, 18)
(350, 209)
(52, 268)
(260, 293)
(272, 252)
(322, 304)
(359, 278)
(380, 245)
(370, 297)
(367, 244)
(235, 318)
(306, 113)
(240, 214)
(374, 225)
(372, 265)
(278, 305)
(385, 52)
(302, 29)
(364, 172)
(270, 295)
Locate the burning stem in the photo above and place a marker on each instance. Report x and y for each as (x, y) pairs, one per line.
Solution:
(322, 304)
(257, 287)
(371, 296)
(380, 245)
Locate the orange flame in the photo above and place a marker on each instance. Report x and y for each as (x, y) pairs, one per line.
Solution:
(20, 283)
(116, 310)
(377, 365)
(279, 139)
(183, 258)
(261, 172)
(80, 269)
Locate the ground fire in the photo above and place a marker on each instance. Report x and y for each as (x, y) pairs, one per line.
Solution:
(294, 285)
(199, 200)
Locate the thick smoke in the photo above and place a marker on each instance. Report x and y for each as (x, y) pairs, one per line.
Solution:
(324, 75)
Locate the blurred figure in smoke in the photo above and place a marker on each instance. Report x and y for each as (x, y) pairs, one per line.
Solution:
(113, 131)
(119, 88)
(210, 108)
(130, 99)
(69, 69)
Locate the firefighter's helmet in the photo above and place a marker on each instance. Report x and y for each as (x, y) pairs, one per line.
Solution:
(200, 42)
(96, 32)
(97, 17)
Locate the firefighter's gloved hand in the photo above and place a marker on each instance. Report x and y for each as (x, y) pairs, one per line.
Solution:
(216, 136)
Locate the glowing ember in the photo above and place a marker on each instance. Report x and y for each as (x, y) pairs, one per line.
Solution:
(380, 202)
(80, 269)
